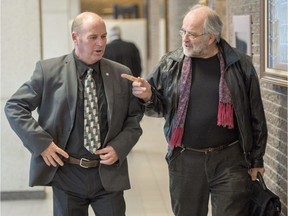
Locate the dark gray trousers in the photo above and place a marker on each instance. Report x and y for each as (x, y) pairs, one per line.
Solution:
(223, 175)
(75, 188)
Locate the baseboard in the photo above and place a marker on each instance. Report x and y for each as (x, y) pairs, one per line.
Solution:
(22, 195)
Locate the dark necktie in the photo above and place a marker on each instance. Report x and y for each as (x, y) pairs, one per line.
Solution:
(91, 115)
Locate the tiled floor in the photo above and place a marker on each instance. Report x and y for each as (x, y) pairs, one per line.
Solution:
(149, 195)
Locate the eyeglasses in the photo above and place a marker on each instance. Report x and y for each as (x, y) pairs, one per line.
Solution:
(191, 35)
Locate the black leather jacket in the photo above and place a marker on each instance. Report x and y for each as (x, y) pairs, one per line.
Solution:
(243, 83)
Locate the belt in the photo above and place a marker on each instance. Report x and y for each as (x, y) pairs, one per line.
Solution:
(83, 162)
(207, 150)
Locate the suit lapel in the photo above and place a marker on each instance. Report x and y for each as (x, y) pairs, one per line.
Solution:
(72, 85)
(108, 80)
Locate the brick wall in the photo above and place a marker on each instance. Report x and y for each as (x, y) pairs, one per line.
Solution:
(275, 103)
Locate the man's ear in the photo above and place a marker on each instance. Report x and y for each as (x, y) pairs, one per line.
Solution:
(212, 39)
(74, 37)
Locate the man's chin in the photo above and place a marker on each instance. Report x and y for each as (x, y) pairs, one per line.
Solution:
(187, 53)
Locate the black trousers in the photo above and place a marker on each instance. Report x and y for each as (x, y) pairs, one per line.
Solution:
(75, 188)
(223, 175)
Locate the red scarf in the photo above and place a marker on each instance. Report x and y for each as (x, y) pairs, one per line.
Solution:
(225, 106)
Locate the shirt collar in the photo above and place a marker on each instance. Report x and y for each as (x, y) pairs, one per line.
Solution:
(82, 67)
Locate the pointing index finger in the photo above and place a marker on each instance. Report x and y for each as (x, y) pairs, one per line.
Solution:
(129, 77)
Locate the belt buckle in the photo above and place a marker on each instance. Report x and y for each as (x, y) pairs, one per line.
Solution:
(81, 162)
(210, 149)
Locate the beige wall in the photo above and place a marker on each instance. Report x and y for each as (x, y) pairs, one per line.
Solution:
(20, 48)
(22, 45)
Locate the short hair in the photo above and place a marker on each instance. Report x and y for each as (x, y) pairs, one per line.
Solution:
(78, 21)
(212, 23)
(114, 31)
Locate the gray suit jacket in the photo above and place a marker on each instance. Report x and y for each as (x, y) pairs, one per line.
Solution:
(52, 90)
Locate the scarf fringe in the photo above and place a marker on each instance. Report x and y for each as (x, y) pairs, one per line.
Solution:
(176, 137)
(225, 115)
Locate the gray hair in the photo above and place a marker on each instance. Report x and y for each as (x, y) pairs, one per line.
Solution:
(212, 23)
(115, 31)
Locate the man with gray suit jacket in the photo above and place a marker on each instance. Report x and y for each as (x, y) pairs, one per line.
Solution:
(79, 176)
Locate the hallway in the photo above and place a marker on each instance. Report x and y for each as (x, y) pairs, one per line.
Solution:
(149, 195)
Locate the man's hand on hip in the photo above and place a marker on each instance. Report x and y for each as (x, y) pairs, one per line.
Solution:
(51, 155)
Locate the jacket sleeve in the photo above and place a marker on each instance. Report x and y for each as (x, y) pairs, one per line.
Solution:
(257, 119)
(18, 110)
(131, 131)
(155, 107)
